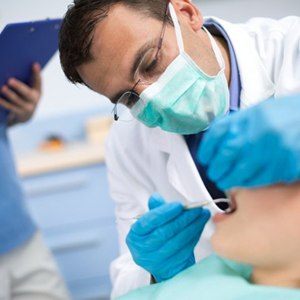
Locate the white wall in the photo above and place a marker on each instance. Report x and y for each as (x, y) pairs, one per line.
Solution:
(60, 96)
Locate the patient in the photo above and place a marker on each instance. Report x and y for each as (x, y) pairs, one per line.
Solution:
(262, 236)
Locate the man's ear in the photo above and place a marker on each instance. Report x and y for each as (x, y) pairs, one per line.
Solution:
(189, 12)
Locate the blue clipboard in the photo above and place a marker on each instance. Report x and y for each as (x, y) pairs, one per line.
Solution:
(22, 44)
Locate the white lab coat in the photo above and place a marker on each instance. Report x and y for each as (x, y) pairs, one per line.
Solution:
(142, 160)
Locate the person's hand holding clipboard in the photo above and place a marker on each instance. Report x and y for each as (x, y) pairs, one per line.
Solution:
(21, 100)
(25, 48)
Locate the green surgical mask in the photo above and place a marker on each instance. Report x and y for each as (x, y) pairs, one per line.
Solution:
(184, 99)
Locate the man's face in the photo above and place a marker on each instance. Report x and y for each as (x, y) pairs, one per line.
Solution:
(264, 229)
(126, 37)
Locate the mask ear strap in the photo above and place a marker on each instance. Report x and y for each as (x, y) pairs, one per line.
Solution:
(177, 28)
(216, 49)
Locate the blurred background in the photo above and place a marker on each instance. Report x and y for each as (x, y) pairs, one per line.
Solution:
(60, 156)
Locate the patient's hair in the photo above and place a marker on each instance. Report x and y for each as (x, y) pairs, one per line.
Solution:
(79, 23)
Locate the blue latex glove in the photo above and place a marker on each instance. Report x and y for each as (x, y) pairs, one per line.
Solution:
(255, 147)
(163, 240)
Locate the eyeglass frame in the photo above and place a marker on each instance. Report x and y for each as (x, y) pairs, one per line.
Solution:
(160, 43)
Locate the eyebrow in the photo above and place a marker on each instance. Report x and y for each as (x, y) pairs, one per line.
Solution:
(136, 62)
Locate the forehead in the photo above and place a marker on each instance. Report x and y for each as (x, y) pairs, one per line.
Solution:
(116, 39)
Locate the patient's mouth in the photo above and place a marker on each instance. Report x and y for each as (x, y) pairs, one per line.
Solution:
(232, 205)
(227, 212)
(227, 205)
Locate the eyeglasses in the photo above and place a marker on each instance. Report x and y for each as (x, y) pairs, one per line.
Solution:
(148, 71)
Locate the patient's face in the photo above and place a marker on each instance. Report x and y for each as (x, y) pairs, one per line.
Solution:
(264, 231)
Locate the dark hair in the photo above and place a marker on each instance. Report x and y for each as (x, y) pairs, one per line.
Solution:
(76, 33)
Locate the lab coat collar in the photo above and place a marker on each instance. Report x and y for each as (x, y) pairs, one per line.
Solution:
(256, 83)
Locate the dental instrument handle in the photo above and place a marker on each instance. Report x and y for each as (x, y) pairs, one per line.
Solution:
(186, 207)
(196, 205)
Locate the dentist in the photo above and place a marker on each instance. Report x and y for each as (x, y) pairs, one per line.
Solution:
(176, 72)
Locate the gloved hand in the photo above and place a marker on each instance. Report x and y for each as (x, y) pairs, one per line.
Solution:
(255, 147)
(163, 240)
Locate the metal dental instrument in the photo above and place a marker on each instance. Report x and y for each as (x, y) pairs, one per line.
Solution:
(189, 206)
